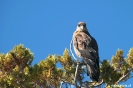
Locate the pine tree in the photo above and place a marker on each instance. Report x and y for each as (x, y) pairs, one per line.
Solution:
(16, 70)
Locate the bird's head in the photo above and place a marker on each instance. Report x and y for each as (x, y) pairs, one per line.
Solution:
(81, 26)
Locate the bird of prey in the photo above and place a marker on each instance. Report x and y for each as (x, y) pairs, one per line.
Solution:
(85, 47)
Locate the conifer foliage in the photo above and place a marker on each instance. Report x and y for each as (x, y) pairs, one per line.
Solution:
(16, 70)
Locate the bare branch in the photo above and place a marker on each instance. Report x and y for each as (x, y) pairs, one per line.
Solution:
(61, 84)
(90, 84)
(124, 76)
(99, 83)
(76, 72)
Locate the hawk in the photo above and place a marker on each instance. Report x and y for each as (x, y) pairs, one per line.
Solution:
(85, 47)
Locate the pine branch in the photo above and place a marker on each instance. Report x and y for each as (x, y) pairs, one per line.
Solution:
(125, 75)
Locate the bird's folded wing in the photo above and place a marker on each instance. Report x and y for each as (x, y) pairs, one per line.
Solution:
(84, 44)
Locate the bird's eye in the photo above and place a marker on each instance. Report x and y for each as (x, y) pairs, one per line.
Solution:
(84, 25)
(78, 25)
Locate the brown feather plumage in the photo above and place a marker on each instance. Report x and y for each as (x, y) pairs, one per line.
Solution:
(85, 46)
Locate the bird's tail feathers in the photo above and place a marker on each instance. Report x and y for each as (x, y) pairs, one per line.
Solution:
(93, 69)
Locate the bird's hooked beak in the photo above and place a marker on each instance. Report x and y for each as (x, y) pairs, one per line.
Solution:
(81, 28)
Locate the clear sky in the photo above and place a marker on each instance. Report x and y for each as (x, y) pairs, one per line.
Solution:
(47, 26)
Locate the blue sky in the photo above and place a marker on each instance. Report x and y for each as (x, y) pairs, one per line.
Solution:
(46, 27)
